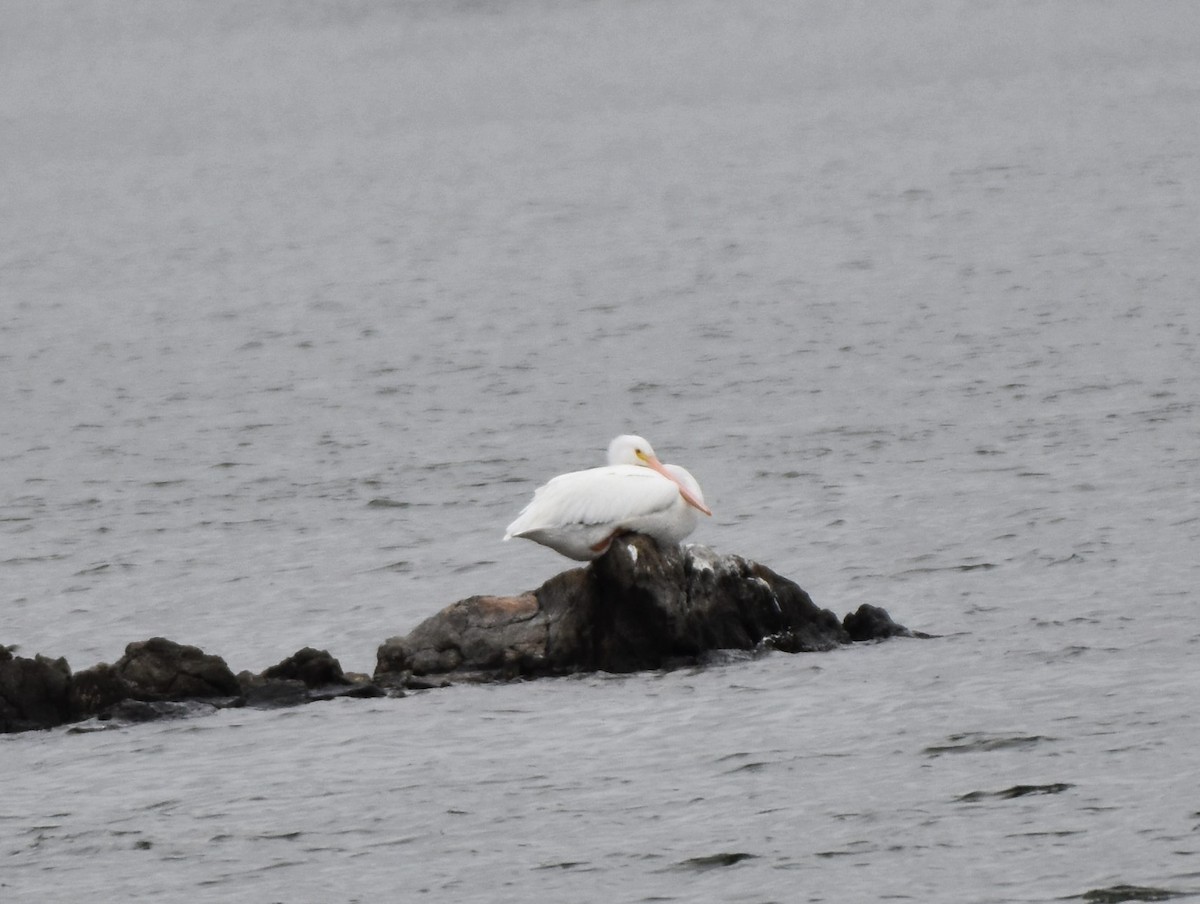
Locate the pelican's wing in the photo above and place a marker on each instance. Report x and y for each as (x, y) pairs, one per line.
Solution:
(598, 496)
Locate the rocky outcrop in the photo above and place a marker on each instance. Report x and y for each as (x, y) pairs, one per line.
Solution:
(158, 678)
(636, 607)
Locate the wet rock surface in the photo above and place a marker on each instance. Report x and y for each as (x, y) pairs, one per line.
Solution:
(636, 607)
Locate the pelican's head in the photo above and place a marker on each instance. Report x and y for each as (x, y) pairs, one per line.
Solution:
(628, 449)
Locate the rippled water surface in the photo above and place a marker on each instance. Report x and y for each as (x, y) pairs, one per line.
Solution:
(299, 302)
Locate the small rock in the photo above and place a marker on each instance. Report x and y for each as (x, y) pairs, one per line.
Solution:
(316, 668)
(872, 623)
(160, 669)
(34, 693)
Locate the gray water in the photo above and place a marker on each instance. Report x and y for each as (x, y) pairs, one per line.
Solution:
(300, 302)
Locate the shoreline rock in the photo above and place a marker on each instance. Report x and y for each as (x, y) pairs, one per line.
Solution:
(638, 607)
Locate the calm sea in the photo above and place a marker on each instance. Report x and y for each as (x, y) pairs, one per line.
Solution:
(300, 301)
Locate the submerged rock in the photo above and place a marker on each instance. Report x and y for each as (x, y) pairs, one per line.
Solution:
(636, 607)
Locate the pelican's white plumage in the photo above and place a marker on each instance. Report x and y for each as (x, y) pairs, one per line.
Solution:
(578, 514)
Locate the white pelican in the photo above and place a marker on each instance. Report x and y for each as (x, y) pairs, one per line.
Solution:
(580, 513)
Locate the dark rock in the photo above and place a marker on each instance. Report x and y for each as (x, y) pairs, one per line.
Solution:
(872, 623)
(486, 634)
(306, 676)
(316, 668)
(160, 669)
(97, 689)
(359, 691)
(133, 711)
(271, 692)
(636, 607)
(34, 693)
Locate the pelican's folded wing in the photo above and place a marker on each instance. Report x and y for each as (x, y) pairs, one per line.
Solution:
(599, 496)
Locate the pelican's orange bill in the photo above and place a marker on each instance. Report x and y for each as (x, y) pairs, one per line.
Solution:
(687, 494)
